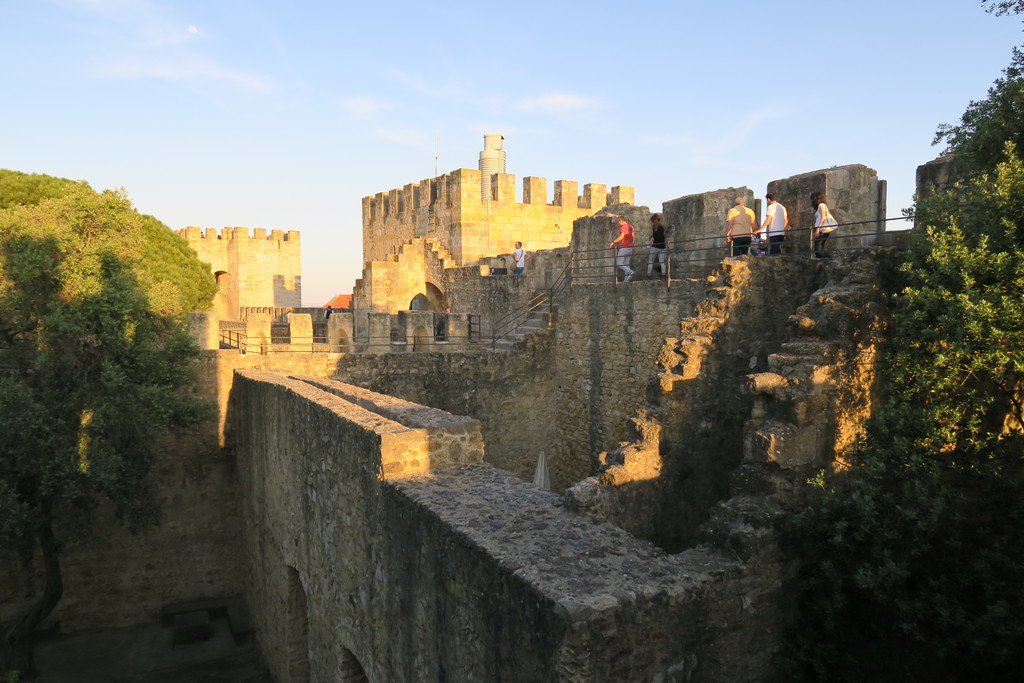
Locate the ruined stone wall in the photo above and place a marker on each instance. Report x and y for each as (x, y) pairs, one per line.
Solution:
(463, 573)
(573, 391)
(696, 228)
(663, 483)
(938, 175)
(510, 393)
(854, 195)
(256, 270)
(606, 343)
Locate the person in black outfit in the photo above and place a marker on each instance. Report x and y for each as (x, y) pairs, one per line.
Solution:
(656, 246)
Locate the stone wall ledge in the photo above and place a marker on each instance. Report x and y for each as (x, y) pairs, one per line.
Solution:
(568, 557)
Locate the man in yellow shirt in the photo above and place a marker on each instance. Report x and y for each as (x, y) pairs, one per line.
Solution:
(742, 225)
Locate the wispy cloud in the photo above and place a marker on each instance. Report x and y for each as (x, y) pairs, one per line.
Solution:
(721, 142)
(557, 103)
(175, 69)
(410, 137)
(142, 21)
(483, 95)
(365, 105)
(137, 39)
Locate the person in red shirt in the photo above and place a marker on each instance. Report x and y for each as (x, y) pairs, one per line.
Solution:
(625, 242)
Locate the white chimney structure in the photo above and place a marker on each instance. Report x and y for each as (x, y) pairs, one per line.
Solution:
(492, 160)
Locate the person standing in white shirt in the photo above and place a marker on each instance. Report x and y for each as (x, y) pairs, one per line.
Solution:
(776, 224)
(519, 256)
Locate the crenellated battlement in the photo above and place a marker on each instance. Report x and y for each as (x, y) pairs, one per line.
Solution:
(256, 267)
(449, 209)
(193, 233)
(450, 192)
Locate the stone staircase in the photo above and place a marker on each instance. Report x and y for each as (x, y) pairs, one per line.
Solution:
(436, 258)
(538, 322)
(810, 405)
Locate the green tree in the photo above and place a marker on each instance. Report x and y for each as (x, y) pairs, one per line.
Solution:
(1000, 7)
(914, 569)
(985, 127)
(175, 279)
(91, 373)
(913, 560)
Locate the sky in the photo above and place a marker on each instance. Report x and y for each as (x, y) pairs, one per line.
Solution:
(280, 115)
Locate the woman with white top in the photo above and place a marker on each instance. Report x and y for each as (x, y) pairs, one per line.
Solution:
(824, 223)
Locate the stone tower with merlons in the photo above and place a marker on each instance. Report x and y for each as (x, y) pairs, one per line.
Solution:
(257, 269)
(457, 219)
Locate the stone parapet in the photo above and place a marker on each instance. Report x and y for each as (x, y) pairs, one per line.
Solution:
(475, 573)
(257, 269)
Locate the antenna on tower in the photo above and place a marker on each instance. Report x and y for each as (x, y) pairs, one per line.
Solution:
(437, 146)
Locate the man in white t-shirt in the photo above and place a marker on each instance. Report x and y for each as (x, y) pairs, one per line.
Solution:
(776, 224)
(519, 256)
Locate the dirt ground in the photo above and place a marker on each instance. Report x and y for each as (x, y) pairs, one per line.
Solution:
(144, 654)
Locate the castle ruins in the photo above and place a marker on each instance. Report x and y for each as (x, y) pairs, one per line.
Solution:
(367, 490)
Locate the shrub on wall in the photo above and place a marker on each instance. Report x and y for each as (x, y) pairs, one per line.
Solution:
(914, 569)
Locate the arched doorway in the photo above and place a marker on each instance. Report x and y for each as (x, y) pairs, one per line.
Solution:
(351, 669)
(430, 300)
(297, 629)
(222, 304)
(339, 342)
(421, 339)
(419, 303)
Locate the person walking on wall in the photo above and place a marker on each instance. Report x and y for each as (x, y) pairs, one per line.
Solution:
(776, 224)
(742, 226)
(327, 312)
(824, 224)
(625, 242)
(657, 246)
(519, 256)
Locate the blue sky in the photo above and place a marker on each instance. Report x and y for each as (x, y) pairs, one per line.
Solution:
(284, 115)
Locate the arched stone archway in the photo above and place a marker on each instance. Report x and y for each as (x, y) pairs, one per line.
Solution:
(223, 307)
(435, 296)
(419, 303)
(430, 300)
(338, 342)
(297, 629)
(351, 669)
(421, 338)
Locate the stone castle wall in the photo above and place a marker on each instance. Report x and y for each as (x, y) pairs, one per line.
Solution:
(251, 270)
(449, 208)
(461, 572)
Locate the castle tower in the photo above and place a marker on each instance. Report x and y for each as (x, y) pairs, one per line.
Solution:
(256, 270)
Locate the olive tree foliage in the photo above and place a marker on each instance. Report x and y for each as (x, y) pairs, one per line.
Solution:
(986, 125)
(175, 280)
(913, 561)
(93, 368)
(1001, 7)
(914, 569)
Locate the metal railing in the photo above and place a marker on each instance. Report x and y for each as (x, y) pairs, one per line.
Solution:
(388, 343)
(506, 326)
(696, 256)
(234, 339)
(692, 257)
(684, 258)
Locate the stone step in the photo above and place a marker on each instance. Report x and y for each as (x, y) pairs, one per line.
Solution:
(809, 348)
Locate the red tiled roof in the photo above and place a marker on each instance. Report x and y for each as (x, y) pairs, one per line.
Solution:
(341, 301)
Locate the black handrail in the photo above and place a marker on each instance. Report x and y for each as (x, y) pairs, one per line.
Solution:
(580, 269)
(506, 326)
